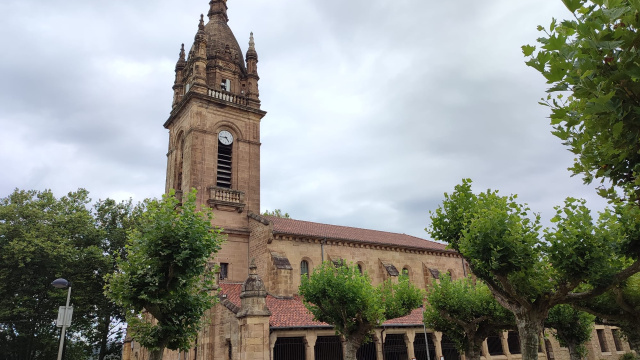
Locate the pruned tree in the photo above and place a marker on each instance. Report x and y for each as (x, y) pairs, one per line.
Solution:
(165, 274)
(572, 328)
(345, 298)
(620, 305)
(465, 311)
(527, 273)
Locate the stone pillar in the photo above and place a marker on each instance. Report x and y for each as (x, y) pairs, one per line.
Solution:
(409, 337)
(379, 339)
(505, 344)
(310, 340)
(254, 318)
(485, 349)
(438, 343)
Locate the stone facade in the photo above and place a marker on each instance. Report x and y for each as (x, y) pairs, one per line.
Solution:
(214, 147)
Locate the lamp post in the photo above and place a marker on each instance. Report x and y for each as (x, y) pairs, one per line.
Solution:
(61, 284)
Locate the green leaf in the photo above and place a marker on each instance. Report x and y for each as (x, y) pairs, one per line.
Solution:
(572, 5)
(527, 50)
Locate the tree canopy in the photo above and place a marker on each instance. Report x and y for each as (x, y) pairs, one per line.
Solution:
(165, 274)
(42, 238)
(345, 298)
(572, 327)
(466, 312)
(591, 64)
(528, 274)
(276, 213)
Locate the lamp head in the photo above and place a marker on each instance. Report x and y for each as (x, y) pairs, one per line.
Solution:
(60, 283)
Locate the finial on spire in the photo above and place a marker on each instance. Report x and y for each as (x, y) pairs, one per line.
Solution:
(201, 25)
(182, 53)
(253, 268)
(252, 44)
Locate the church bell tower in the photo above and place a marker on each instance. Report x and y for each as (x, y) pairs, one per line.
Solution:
(214, 132)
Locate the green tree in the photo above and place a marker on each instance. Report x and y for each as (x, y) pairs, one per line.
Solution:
(620, 306)
(113, 221)
(572, 327)
(345, 298)
(43, 238)
(527, 273)
(593, 58)
(466, 312)
(276, 213)
(165, 274)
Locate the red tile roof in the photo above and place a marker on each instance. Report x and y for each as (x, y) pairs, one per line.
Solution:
(312, 229)
(291, 313)
(413, 319)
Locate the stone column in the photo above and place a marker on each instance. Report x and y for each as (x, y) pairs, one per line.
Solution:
(310, 340)
(254, 318)
(379, 341)
(409, 337)
(505, 344)
(438, 343)
(485, 349)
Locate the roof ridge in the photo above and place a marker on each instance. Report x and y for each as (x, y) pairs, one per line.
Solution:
(270, 217)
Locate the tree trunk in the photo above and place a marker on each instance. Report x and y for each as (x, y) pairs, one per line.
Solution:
(574, 352)
(104, 336)
(156, 354)
(530, 326)
(474, 348)
(351, 346)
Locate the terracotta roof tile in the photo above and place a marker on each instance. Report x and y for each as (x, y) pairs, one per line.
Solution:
(413, 319)
(291, 313)
(307, 228)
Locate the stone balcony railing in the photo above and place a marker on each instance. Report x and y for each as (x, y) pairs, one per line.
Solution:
(227, 96)
(226, 199)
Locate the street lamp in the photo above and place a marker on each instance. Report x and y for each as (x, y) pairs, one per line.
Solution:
(61, 284)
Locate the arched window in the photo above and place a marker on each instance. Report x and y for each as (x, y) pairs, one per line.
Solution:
(405, 272)
(180, 164)
(360, 269)
(225, 147)
(304, 268)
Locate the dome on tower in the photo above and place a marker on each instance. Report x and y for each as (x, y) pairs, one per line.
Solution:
(221, 43)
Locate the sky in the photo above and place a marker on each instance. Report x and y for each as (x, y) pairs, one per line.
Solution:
(376, 108)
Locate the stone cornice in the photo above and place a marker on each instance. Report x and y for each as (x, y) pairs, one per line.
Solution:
(219, 102)
(365, 245)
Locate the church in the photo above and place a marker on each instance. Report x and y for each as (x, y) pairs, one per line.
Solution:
(214, 146)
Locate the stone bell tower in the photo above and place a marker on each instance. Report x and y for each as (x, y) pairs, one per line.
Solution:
(214, 132)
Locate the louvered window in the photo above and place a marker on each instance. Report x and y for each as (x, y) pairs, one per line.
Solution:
(224, 166)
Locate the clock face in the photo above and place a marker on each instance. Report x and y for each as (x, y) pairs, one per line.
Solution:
(225, 137)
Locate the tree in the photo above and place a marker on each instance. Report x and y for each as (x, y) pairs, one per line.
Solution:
(345, 298)
(620, 306)
(112, 221)
(42, 238)
(594, 59)
(466, 312)
(277, 213)
(529, 274)
(165, 274)
(572, 327)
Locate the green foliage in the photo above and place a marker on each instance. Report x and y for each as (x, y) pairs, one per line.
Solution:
(621, 306)
(276, 213)
(165, 273)
(592, 66)
(628, 356)
(529, 274)
(466, 312)
(43, 238)
(399, 299)
(572, 328)
(345, 298)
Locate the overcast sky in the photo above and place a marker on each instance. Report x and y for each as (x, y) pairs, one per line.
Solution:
(375, 107)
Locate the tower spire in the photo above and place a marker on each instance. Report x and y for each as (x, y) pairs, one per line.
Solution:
(218, 8)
